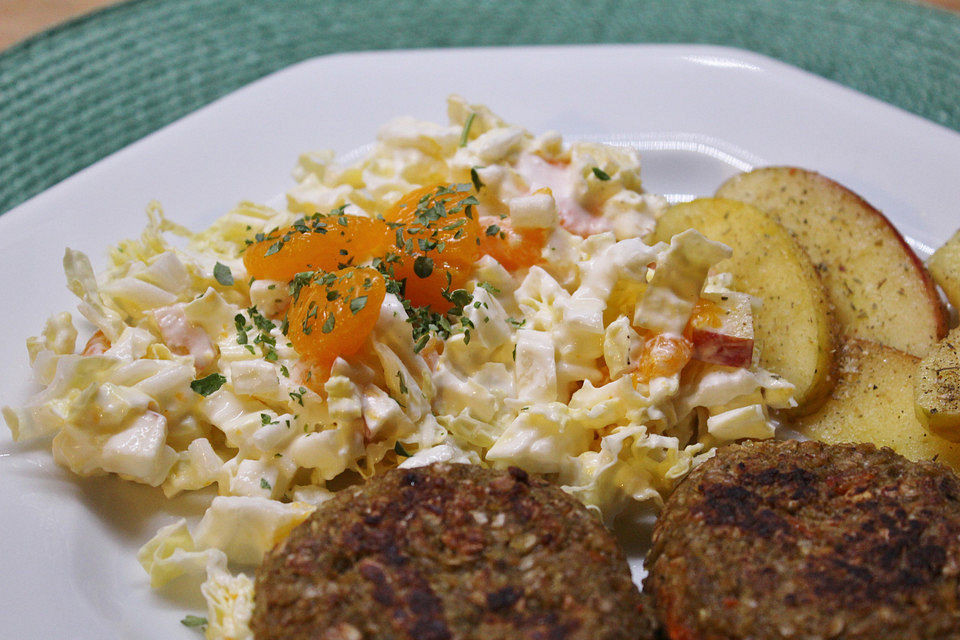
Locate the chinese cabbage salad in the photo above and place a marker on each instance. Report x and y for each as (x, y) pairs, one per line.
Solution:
(464, 292)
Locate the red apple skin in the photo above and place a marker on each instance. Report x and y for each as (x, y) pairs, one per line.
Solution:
(709, 345)
(928, 287)
(854, 247)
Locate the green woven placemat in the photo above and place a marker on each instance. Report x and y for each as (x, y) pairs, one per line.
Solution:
(72, 95)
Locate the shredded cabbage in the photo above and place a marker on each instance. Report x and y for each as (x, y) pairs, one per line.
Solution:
(190, 381)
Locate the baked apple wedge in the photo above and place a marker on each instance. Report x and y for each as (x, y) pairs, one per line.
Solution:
(873, 402)
(793, 322)
(879, 287)
(937, 388)
(944, 266)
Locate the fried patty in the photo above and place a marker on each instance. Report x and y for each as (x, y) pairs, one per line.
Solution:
(805, 540)
(449, 551)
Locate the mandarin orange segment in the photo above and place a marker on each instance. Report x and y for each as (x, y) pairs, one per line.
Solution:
(333, 315)
(666, 355)
(436, 238)
(512, 248)
(318, 243)
(662, 355)
(428, 290)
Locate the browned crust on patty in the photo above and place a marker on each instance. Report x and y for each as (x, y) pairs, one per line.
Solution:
(807, 540)
(449, 551)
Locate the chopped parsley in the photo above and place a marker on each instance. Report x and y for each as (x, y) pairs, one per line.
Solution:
(208, 385)
(357, 304)
(475, 178)
(299, 281)
(223, 274)
(242, 327)
(426, 322)
(489, 287)
(194, 621)
(400, 451)
(601, 174)
(298, 396)
(264, 484)
(421, 342)
(328, 324)
(264, 326)
(317, 223)
(423, 266)
(453, 226)
(493, 230)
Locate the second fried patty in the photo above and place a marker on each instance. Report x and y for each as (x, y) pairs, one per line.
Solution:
(449, 551)
(806, 540)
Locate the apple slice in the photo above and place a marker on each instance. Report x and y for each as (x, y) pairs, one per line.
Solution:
(879, 287)
(944, 266)
(725, 336)
(873, 402)
(793, 323)
(937, 390)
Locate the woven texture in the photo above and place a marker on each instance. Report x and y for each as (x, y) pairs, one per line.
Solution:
(70, 96)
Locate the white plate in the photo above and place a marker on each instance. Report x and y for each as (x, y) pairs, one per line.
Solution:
(700, 113)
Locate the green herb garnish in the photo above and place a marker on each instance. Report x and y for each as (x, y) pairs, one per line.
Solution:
(194, 621)
(209, 384)
(423, 266)
(466, 129)
(223, 274)
(600, 173)
(489, 287)
(475, 179)
(357, 304)
(298, 396)
(329, 323)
